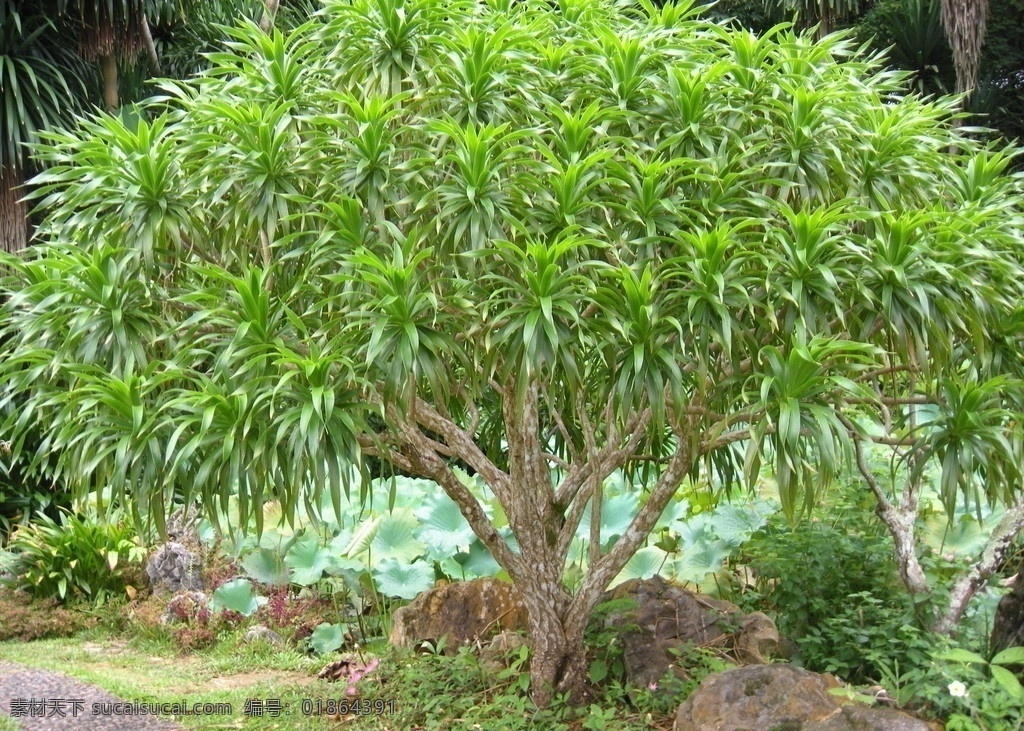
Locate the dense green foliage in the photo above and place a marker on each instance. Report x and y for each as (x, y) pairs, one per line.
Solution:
(833, 587)
(73, 558)
(912, 35)
(141, 290)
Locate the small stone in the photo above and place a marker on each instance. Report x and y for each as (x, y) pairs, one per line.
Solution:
(499, 652)
(262, 633)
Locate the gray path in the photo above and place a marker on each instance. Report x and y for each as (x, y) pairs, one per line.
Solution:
(41, 700)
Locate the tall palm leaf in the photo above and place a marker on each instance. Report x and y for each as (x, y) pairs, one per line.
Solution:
(41, 86)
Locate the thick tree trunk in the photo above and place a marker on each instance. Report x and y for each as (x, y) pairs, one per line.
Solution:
(826, 18)
(964, 22)
(543, 518)
(269, 13)
(111, 94)
(13, 213)
(558, 663)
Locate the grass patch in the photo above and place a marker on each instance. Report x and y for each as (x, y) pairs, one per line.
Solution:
(407, 691)
(154, 672)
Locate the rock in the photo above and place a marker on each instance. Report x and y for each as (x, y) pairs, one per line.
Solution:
(177, 564)
(757, 640)
(464, 613)
(1008, 625)
(183, 526)
(262, 633)
(500, 651)
(189, 607)
(781, 697)
(665, 619)
(859, 717)
(173, 567)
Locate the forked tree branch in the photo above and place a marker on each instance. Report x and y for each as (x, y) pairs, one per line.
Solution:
(423, 460)
(967, 585)
(610, 564)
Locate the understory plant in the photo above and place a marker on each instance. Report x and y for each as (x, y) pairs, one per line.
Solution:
(79, 557)
(832, 586)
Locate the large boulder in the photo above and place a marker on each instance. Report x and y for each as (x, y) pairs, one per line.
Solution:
(464, 613)
(782, 698)
(662, 619)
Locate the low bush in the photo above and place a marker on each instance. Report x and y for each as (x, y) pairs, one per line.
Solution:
(832, 586)
(26, 619)
(77, 558)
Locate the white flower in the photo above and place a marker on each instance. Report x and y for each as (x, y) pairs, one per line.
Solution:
(957, 689)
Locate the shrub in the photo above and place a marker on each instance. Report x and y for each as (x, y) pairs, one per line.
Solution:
(833, 588)
(77, 558)
(191, 638)
(297, 616)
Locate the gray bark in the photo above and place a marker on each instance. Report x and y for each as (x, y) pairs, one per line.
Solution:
(558, 663)
(147, 41)
(269, 13)
(992, 557)
(900, 520)
(543, 518)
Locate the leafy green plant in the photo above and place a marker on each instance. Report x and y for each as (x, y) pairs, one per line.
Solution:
(326, 638)
(831, 583)
(76, 558)
(864, 638)
(960, 687)
(237, 596)
(912, 31)
(997, 667)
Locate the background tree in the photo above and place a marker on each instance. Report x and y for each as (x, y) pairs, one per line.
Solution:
(964, 21)
(824, 15)
(49, 46)
(544, 245)
(37, 92)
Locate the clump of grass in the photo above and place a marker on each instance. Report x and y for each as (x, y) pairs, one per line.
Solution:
(442, 693)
